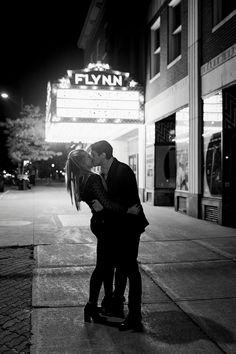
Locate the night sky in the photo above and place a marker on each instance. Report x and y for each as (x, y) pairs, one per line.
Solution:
(38, 44)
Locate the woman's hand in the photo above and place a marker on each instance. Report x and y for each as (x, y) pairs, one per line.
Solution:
(134, 209)
(96, 205)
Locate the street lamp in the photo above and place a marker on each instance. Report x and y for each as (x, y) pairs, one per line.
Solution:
(5, 96)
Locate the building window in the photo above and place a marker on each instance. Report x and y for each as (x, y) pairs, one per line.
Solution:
(155, 48)
(182, 149)
(222, 9)
(212, 141)
(174, 30)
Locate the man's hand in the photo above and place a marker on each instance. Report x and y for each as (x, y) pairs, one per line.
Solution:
(96, 205)
(134, 209)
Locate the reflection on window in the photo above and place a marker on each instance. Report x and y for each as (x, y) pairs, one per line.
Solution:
(212, 128)
(221, 9)
(155, 48)
(174, 30)
(182, 147)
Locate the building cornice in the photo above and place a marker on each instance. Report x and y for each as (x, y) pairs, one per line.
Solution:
(219, 59)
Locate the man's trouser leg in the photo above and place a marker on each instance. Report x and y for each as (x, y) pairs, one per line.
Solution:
(127, 268)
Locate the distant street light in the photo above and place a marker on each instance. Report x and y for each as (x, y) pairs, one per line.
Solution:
(4, 95)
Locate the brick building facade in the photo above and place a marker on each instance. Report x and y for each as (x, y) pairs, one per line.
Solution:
(183, 52)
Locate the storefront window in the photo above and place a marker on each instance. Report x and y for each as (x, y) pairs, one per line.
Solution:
(150, 139)
(182, 147)
(212, 129)
(165, 161)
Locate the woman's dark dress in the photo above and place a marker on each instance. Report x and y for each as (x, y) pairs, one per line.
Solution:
(92, 188)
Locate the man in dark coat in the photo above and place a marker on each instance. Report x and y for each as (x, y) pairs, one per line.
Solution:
(126, 230)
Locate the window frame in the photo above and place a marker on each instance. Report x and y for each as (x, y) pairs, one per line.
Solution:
(219, 19)
(155, 49)
(174, 32)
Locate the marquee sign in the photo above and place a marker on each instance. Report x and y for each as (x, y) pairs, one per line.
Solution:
(95, 94)
(91, 79)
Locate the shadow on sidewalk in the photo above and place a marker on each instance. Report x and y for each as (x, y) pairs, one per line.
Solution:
(174, 327)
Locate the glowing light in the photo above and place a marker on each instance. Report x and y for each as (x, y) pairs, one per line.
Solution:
(87, 105)
(141, 99)
(68, 132)
(99, 94)
(98, 66)
(4, 95)
(108, 104)
(133, 83)
(64, 82)
(97, 104)
(56, 119)
(98, 113)
(92, 79)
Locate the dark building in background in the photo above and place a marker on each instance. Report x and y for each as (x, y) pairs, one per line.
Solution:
(183, 52)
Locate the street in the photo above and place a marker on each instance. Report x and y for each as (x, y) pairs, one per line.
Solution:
(188, 269)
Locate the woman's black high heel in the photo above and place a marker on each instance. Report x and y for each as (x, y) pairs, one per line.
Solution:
(91, 313)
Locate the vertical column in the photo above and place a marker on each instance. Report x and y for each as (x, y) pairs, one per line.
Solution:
(141, 159)
(195, 110)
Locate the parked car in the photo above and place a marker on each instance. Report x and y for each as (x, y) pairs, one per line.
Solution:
(2, 184)
(9, 178)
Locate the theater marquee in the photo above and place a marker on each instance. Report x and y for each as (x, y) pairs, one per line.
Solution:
(94, 95)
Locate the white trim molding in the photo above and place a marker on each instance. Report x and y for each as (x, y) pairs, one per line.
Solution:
(168, 101)
(219, 72)
(219, 59)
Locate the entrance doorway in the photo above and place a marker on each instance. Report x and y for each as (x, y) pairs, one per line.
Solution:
(229, 157)
(133, 163)
(229, 178)
(165, 162)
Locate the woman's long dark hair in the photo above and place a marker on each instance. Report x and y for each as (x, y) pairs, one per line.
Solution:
(75, 169)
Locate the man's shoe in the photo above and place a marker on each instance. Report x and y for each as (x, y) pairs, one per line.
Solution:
(131, 323)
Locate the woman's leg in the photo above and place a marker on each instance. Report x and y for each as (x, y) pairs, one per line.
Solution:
(91, 311)
(103, 272)
(97, 276)
(95, 286)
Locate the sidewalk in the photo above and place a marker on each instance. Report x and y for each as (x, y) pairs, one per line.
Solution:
(188, 270)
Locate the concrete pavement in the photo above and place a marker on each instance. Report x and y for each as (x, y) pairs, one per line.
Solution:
(188, 269)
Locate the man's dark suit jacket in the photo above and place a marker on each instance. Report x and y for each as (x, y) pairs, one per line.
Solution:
(122, 188)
